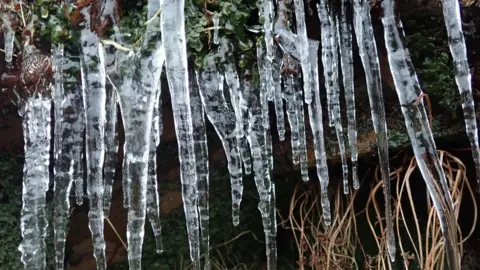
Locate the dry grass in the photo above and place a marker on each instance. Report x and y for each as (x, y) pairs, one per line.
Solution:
(418, 238)
(320, 246)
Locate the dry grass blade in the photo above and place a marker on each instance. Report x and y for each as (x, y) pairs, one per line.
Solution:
(429, 245)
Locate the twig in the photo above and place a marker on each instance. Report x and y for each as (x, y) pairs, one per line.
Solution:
(2, 50)
(115, 231)
(116, 45)
(154, 16)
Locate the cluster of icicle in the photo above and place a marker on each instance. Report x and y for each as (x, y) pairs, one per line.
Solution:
(238, 111)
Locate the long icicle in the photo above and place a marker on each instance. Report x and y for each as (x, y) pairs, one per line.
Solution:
(201, 155)
(222, 116)
(278, 99)
(68, 142)
(173, 32)
(458, 49)
(290, 98)
(302, 47)
(344, 37)
(8, 36)
(257, 139)
(153, 33)
(94, 98)
(302, 139)
(137, 96)
(153, 198)
(266, 82)
(267, 12)
(330, 71)
(409, 91)
(243, 103)
(111, 146)
(33, 222)
(316, 124)
(369, 57)
(227, 59)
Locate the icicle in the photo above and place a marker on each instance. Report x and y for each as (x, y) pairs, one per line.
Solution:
(222, 116)
(256, 137)
(330, 71)
(278, 99)
(94, 96)
(302, 47)
(111, 146)
(137, 96)
(153, 198)
(8, 36)
(290, 98)
(231, 77)
(286, 40)
(316, 124)
(264, 81)
(216, 26)
(173, 32)
(369, 56)
(344, 36)
(456, 41)
(33, 223)
(267, 12)
(409, 92)
(302, 140)
(201, 155)
(68, 142)
(244, 97)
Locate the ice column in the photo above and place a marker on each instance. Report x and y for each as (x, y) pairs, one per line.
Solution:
(316, 124)
(408, 91)
(456, 41)
(33, 222)
(222, 115)
(173, 32)
(369, 56)
(94, 98)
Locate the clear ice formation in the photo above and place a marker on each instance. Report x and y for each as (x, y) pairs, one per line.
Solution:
(344, 36)
(302, 47)
(292, 116)
(257, 135)
(278, 94)
(463, 78)
(8, 36)
(239, 114)
(68, 143)
(202, 169)
(267, 12)
(173, 32)
(264, 67)
(153, 198)
(216, 22)
(416, 120)
(111, 136)
(316, 124)
(330, 71)
(220, 112)
(137, 91)
(369, 56)
(302, 140)
(237, 99)
(33, 223)
(94, 98)
(111, 146)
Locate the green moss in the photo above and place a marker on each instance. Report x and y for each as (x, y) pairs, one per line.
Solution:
(10, 205)
(432, 61)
